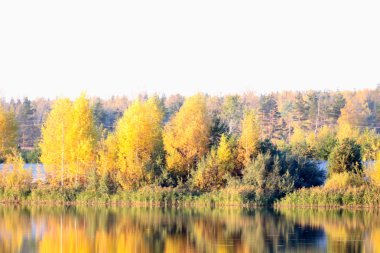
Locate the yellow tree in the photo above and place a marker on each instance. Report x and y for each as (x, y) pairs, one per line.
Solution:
(225, 154)
(68, 141)
(212, 169)
(8, 132)
(107, 163)
(139, 138)
(353, 114)
(375, 173)
(248, 144)
(107, 155)
(345, 130)
(186, 136)
(356, 110)
(55, 142)
(82, 138)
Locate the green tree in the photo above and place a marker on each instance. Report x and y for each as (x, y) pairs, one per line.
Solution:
(345, 157)
(270, 118)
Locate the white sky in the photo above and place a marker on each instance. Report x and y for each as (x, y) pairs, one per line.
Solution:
(59, 48)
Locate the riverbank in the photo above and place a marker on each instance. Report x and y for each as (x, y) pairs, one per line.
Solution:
(363, 196)
(243, 196)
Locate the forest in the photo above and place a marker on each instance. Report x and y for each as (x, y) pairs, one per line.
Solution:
(283, 148)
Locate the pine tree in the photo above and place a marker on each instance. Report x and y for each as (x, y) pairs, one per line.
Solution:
(270, 118)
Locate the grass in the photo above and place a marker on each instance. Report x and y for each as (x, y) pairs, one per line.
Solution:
(146, 196)
(362, 196)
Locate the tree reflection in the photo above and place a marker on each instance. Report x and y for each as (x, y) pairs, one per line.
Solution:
(122, 229)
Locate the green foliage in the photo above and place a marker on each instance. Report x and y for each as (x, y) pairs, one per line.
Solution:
(31, 156)
(345, 156)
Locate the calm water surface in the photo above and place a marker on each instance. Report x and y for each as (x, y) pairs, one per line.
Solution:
(121, 229)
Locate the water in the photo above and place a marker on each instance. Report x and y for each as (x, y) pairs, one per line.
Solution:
(121, 229)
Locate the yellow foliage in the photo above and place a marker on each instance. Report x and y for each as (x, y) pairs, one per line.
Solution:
(13, 175)
(375, 173)
(225, 154)
(55, 144)
(139, 138)
(107, 155)
(8, 132)
(345, 130)
(356, 110)
(82, 138)
(338, 181)
(68, 141)
(186, 136)
(298, 137)
(249, 138)
(369, 141)
(209, 174)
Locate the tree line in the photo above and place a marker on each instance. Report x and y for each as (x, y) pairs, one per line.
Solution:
(270, 142)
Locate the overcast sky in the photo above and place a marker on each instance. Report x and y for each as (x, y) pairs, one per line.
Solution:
(59, 48)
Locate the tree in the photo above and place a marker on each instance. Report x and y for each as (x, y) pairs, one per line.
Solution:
(298, 143)
(107, 163)
(55, 142)
(209, 174)
(270, 117)
(139, 138)
(29, 131)
(369, 142)
(345, 157)
(270, 177)
(232, 112)
(172, 104)
(346, 130)
(324, 143)
(82, 137)
(337, 103)
(225, 154)
(375, 174)
(186, 136)
(68, 142)
(300, 110)
(356, 110)
(248, 144)
(8, 132)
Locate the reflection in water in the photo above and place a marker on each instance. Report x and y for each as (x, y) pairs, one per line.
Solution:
(121, 229)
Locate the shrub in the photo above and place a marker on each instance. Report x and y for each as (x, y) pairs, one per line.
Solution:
(345, 157)
(209, 174)
(338, 181)
(14, 178)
